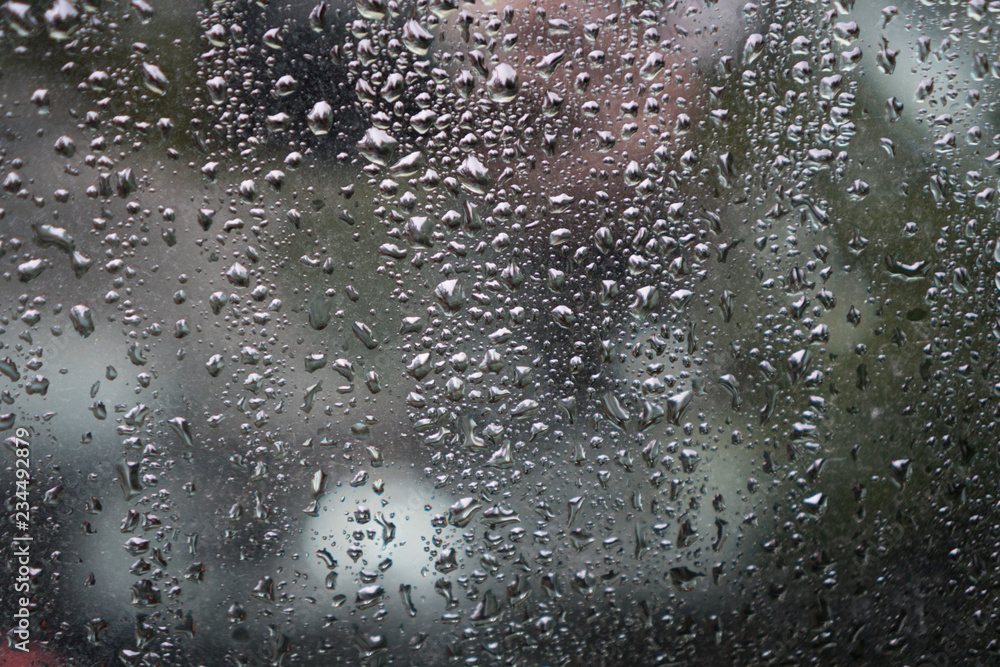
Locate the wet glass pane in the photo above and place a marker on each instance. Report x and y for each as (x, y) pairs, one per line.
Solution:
(529, 333)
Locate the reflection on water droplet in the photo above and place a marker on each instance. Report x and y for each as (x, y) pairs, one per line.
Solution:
(503, 84)
(155, 79)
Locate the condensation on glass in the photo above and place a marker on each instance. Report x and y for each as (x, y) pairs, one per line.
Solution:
(532, 332)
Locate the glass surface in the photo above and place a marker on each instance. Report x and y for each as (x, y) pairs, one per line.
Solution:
(528, 333)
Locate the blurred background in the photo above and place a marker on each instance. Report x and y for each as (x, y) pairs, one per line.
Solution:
(528, 333)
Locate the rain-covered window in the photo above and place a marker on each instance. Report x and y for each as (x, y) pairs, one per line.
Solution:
(525, 332)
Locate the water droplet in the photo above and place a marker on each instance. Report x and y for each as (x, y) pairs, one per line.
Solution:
(503, 84)
(416, 38)
(155, 79)
(82, 320)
